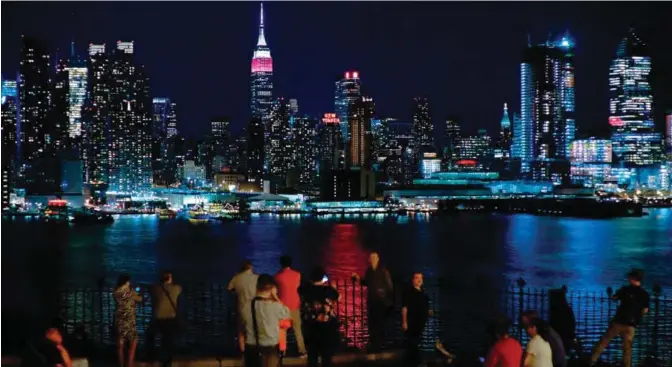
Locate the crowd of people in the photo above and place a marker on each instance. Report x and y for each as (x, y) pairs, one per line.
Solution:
(268, 306)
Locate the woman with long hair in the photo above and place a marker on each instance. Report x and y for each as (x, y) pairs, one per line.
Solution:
(124, 319)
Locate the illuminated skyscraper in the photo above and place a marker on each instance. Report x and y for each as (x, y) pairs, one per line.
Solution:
(9, 139)
(219, 129)
(348, 90)
(547, 105)
(668, 131)
(281, 144)
(331, 145)
(451, 137)
(255, 151)
(164, 117)
(630, 105)
(261, 82)
(60, 107)
(38, 134)
(423, 129)
(77, 80)
(95, 152)
(305, 152)
(359, 117)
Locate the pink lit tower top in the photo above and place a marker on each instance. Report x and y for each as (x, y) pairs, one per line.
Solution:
(261, 83)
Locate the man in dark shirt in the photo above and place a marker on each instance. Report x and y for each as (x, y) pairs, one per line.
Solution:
(321, 323)
(414, 313)
(379, 299)
(634, 305)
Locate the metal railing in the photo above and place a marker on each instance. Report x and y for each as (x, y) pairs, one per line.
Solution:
(460, 318)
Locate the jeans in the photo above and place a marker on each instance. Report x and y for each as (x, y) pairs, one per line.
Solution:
(615, 329)
(167, 328)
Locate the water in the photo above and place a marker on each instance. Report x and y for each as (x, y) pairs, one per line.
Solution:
(468, 250)
(473, 256)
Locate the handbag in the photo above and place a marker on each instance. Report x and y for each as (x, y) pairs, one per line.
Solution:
(180, 324)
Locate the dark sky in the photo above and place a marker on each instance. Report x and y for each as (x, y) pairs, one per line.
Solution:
(464, 56)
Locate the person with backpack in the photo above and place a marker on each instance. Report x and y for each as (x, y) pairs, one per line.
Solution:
(165, 318)
(261, 321)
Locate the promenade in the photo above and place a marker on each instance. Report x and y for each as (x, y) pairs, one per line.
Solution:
(460, 321)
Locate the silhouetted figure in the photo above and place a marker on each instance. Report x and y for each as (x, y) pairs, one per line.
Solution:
(379, 299)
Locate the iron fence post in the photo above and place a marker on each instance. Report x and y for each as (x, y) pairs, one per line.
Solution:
(656, 308)
(521, 299)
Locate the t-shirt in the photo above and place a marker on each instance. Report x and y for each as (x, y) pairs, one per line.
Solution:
(541, 353)
(245, 286)
(269, 313)
(504, 353)
(163, 308)
(634, 300)
(417, 306)
(288, 288)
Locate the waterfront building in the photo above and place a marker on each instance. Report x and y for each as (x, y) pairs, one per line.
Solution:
(130, 123)
(261, 84)
(331, 145)
(281, 148)
(635, 141)
(547, 123)
(9, 139)
(430, 162)
(360, 114)
(348, 91)
(255, 151)
(423, 129)
(95, 144)
(193, 175)
(78, 75)
(228, 180)
(590, 161)
(451, 138)
(350, 184)
(305, 152)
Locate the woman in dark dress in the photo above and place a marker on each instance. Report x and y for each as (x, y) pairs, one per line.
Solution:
(124, 319)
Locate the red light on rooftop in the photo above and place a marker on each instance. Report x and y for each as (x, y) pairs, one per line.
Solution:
(355, 74)
(58, 202)
(347, 75)
(616, 121)
(466, 162)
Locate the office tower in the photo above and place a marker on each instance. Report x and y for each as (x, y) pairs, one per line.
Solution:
(255, 151)
(305, 151)
(77, 83)
(130, 123)
(175, 157)
(430, 162)
(635, 141)
(60, 107)
(348, 90)
(331, 145)
(219, 130)
(280, 138)
(668, 131)
(360, 114)
(39, 169)
(293, 107)
(9, 138)
(451, 138)
(238, 153)
(547, 107)
(423, 129)
(161, 109)
(261, 81)
(95, 152)
(502, 148)
(474, 148)
(590, 161)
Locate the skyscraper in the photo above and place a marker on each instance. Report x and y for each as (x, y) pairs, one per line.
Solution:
(219, 129)
(255, 151)
(668, 131)
(451, 137)
(281, 144)
(130, 123)
(36, 129)
(423, 129)
(348, 90)
(60, 107)
(261, 81)
(360, 114)
(9, 141)
(547, 106)
(77, 81)
(635, 141)
(95, 152)
(305, 152)
(331, 148)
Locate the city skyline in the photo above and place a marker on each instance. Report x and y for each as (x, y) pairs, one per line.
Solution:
(311, 82)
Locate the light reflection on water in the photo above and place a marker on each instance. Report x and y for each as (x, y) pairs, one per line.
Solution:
(469, 250)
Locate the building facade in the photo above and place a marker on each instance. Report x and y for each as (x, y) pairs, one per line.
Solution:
(305, 149)
(635, 141)
(331, 145)
(261, 82)
(348, 91)
(281, 143)
(95, 137)
(9, 138)
(77, 81)
(360, 114)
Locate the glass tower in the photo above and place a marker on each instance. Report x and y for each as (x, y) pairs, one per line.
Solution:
(77, 79)
(348, 90)
(635, 141)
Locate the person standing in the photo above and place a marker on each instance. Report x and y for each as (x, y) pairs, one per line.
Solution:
(507, 351)
(538, 351)
(379, 299)
(289, 281)
(261, 321)
(244, 284)
(634, 305)
(552, 337)
(414, 313)
(125, 319)
(164, 321)
(321, 322)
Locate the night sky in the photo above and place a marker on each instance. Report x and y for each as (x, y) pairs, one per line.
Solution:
(464, 56)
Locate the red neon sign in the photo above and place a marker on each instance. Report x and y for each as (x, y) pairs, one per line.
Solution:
(58, 202)
(616, 121)
(466, 162)
(330, 118)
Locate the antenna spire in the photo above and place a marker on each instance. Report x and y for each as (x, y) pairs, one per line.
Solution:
(262, 39)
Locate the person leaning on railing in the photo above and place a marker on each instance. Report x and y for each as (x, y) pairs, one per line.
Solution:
(634, 305)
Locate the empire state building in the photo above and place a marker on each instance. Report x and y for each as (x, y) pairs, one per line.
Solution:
(261, 84)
